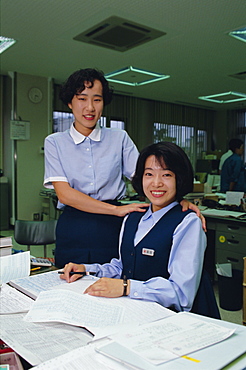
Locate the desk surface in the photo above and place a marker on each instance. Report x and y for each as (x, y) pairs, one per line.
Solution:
(212, 219)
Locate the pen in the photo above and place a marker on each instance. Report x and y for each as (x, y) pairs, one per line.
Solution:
(83, 273)
(35, 268)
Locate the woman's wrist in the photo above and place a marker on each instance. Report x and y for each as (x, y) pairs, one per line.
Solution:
(126, 286)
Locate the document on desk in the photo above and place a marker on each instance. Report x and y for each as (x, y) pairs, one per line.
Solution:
(165, 340)
(222, 213)
(92, 312)
(14, 266)
(13, 301)
(34, 284)
(211, 358)
(85, 358)
(37, 343)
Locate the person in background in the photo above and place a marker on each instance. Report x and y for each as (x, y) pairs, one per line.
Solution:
(162, 250)
(226, 155)
(85, 165)
(229, 152)
(233, 170)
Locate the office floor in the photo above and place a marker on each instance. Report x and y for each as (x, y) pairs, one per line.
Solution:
(231, 316)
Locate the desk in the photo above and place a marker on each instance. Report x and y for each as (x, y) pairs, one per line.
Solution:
(26, 336)
(226, 242)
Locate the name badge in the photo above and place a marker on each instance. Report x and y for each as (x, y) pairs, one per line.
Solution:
(148, 252)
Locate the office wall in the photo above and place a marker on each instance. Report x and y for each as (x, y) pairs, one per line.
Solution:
(221, 131)
(1, 122)
(29, 156)
(30, 162)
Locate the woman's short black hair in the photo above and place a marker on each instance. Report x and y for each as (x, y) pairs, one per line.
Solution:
(174, 158)
(75, 84)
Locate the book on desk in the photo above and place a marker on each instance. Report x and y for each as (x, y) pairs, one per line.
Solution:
(6, 246)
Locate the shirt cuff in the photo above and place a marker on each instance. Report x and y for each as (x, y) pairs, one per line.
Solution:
(136, 289)
(48, 182)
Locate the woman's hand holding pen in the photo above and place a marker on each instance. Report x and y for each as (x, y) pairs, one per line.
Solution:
(72, 267)
(107, 287)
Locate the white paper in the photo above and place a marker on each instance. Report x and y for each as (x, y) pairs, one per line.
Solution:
(14, 266)
(37, 343)
(137, 311)
(74, 309)
(170, 338)
(81, 358)
(79, 285)
(224, 269)
(222, 213)
(234, 197)
(13, 301)
(100, 315)
(33, 285)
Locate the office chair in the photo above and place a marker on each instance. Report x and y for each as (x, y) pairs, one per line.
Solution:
(35, 233)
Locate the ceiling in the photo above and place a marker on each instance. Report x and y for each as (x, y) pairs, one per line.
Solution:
(196, 50)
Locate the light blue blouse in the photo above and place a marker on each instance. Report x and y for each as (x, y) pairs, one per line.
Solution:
(184, 266)
(94, 165)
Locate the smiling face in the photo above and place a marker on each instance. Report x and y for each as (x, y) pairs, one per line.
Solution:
(159, 184)
(87, 107)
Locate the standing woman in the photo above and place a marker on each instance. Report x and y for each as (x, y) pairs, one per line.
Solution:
(85, 165)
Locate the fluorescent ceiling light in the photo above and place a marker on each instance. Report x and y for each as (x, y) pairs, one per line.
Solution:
(134, 76)
(228, 97)
(5, 43)
(239, 34)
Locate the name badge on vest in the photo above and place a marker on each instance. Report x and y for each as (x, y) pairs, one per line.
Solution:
(148, 252)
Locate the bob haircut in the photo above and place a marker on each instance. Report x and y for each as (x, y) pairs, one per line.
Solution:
(75, 84)
(170, 156)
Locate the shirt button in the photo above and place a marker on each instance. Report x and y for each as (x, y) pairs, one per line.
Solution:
(130, 271)
(91, 183)
(87, 149)
(89, 166)
(132, 254)
(135, 294)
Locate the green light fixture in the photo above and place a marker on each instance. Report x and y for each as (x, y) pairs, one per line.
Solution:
(134, 76)
(5, 43)
(227, 97)
(239, 34)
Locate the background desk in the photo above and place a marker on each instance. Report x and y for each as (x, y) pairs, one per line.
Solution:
(226, 243)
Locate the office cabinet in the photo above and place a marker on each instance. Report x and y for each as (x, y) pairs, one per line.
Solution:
(230, 243)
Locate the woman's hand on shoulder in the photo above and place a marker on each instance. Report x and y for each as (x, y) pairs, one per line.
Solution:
(72, 267)
(188, 205)
(122, 211)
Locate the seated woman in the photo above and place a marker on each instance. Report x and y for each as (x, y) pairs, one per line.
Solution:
(162, 251)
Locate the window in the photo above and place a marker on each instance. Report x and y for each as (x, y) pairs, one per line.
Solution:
(117, 124)
(191, 140)
(62, 121)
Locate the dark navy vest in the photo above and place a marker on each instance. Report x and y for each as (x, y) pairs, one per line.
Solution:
(143, 267)
(139, 266)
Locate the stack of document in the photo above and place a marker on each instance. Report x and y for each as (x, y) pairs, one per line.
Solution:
(182, 341)
(5, 246)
